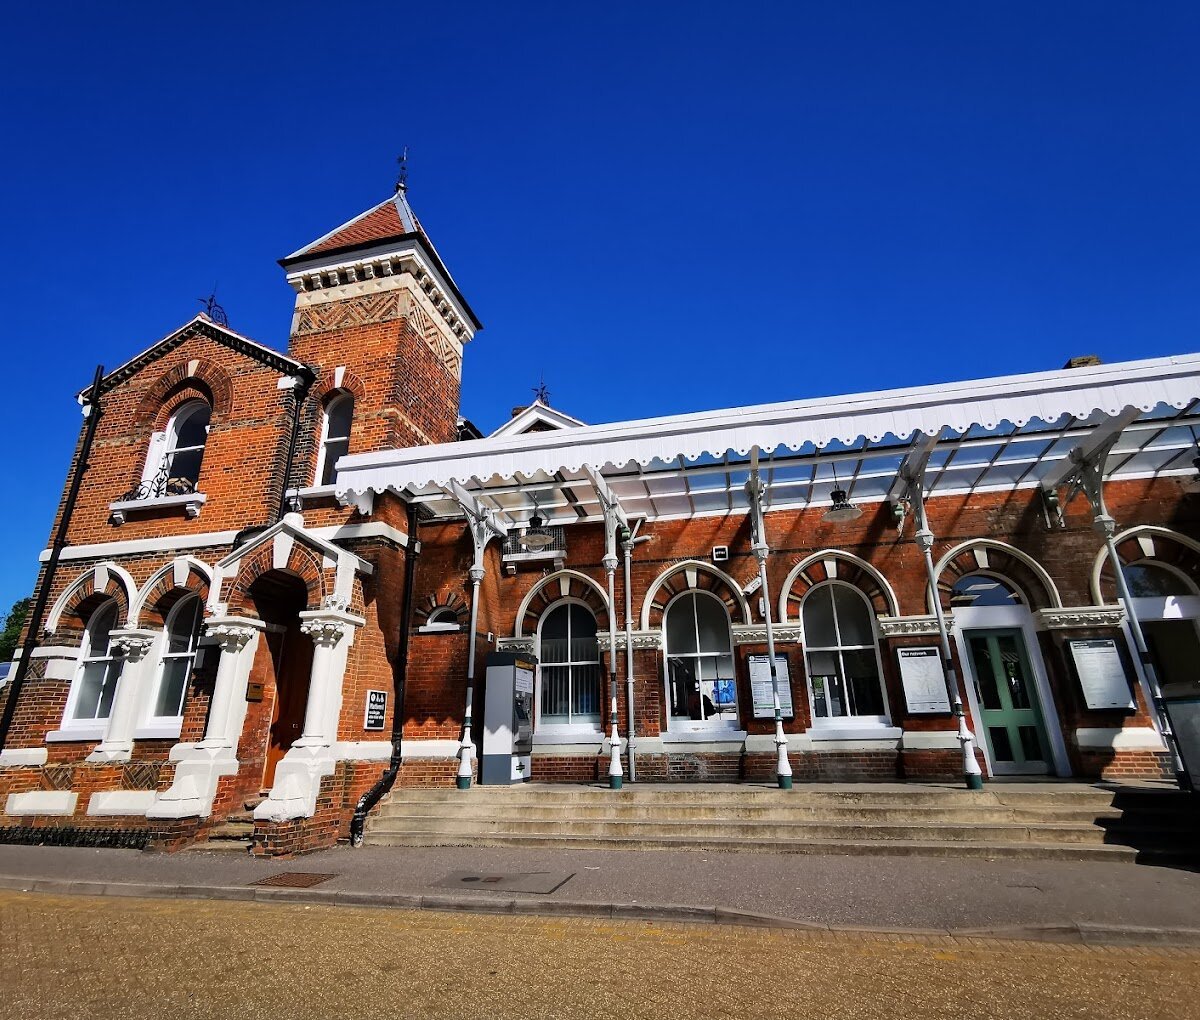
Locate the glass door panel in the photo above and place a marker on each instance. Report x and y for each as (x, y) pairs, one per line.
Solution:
(1011, 720)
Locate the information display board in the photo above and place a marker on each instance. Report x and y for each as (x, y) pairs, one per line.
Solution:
(923, 679)
(376, 710)
(1101, 673)
(760, 687)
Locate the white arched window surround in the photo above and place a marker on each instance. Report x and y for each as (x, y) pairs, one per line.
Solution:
(91, 696)
(708, 653)
(177, 657)
(335, 435)
(854, 646)
(442, 620)
(576, 677)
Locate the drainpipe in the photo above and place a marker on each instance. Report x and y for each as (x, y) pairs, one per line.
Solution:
(627, 545)
(301, 383)
(385, 782)
(615, 772)
(91, 410)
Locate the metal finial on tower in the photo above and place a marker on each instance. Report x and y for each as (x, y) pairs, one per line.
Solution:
(540, 393)
(402, 176)
(213, 310)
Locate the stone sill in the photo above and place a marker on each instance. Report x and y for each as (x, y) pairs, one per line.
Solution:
(191, 502)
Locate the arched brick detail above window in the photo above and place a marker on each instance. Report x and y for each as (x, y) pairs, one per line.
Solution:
(834, 565)
(106, 580)
(693, 575)
(1150, 545)
(995, 559)
(333, 381)
(565, 584)
(207, 378)
(159, 594)
(451, 601)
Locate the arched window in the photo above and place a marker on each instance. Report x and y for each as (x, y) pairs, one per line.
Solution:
(570, 664)
(186, 435)
(96, 678)
(179, 654)
(445, 619)
(1152, 580)
(841, 654)
(335, 436)
(978, 591)
(699, 654)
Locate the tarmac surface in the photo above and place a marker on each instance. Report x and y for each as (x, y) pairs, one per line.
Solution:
(1062, 901)
(85, 957)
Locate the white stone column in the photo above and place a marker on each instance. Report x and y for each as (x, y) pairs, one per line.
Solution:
(332, 632)
(200, 766)
(298, 775)
(238, 638)
(133, 687)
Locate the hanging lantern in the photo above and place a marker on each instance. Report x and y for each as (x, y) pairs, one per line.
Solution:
(842, 509)
(536, 536)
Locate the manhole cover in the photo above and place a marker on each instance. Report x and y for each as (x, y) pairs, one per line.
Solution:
(491, 881)
(295, 879)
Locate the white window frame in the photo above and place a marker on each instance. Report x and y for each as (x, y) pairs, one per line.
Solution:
(326, 439)
(588, 726)
(843, 721)
(442, 620)
(151, 719)
(163, 448)
(92, 729)
(678, 723)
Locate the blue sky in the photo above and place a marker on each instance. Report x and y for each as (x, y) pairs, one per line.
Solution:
(662, 207)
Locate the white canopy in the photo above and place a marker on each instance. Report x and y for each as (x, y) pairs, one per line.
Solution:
(992, 434)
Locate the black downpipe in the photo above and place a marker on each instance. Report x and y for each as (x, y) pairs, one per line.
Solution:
(399, 676)
(306, 378)
(56, 548)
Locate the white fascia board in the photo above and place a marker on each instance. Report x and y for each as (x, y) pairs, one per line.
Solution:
(901, 413)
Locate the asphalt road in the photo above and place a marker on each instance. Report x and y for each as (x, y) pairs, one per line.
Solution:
(91, 957)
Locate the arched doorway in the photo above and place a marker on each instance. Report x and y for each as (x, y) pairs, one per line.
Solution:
(1006, 680)
(283, 664)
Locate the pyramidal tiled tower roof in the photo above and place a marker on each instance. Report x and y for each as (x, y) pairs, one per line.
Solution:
(393, 217)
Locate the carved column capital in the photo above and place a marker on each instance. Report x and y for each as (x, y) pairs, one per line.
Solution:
(327, 627)
(133, 644)
(232, 633)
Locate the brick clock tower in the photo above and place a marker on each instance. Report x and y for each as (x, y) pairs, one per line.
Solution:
(380, 318)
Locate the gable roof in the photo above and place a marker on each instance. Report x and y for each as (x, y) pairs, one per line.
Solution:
(537, 417)
(202, 325)
(391, 218)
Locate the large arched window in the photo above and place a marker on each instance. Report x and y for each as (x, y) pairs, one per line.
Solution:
(841, 655)
(700, 678)
(179, 654)
(1152, 580)
(570, 666)
(980, 591)
(186, 435)
(335, 436)
(99, 669)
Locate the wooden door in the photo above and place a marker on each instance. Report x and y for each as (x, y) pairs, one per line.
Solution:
(293, 670)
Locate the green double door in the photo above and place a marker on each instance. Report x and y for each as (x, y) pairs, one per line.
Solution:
(1011, 716)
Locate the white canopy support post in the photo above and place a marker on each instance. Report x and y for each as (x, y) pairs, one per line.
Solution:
(913, 474)
(484, 526)
(1087, 476)
(755, 491)
(614, 517)
(915, 461)
(629, 539)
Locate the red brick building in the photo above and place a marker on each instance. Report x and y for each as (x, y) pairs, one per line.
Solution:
(271, 555)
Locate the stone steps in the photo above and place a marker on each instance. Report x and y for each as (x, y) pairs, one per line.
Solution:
(1048, 821)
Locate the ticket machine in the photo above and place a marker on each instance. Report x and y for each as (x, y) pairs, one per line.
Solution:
(507, 719)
